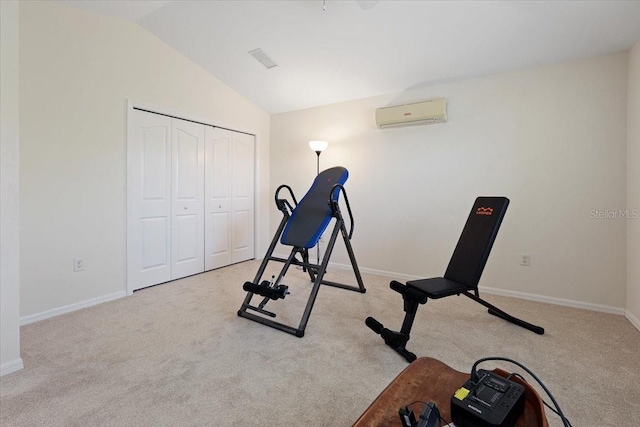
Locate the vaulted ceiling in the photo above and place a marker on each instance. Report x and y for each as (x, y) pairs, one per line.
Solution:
(337, 50)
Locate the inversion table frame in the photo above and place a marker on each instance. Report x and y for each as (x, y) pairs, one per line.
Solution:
(461, 278)
(301, 227)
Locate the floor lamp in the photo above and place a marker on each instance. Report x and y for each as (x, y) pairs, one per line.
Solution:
(318, 147)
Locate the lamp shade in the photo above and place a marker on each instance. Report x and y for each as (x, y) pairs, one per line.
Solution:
(318, 145)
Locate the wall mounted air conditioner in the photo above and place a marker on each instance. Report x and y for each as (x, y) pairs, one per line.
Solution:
(417, 113)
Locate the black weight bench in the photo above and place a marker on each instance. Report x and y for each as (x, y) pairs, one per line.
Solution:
(301, 226)
(461, 278)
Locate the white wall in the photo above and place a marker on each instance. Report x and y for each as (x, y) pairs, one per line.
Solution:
(633, 187)
(10, 360)
(552, 139)
(77, 70)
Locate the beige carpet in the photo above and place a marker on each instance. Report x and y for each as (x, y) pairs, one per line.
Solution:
(178, 355)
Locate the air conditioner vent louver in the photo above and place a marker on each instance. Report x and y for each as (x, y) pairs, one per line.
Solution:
(417, 113)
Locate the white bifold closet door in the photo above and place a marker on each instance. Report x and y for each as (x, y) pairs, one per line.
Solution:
(187, 214)
(229, 197)
(190, 199)
(165, 219)
(149, 201)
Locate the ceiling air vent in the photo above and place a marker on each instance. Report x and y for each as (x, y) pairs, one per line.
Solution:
(263, 58)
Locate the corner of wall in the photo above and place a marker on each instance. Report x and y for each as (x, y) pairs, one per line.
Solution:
(633, 186)
(9, 194)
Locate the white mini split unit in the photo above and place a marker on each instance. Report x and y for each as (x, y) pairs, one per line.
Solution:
(418, 113)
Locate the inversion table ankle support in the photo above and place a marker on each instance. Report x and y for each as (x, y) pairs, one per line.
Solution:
(301, 227)
(462, 275)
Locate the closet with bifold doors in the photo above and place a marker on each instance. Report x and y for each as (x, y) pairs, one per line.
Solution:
(190, 198)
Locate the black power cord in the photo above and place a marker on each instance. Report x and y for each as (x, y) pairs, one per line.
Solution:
(558, 411)
(551, 408)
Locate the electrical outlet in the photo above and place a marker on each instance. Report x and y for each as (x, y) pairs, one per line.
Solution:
(525, 260)
(78, 264)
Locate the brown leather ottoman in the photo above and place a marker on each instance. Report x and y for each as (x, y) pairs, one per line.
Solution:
(429, 380)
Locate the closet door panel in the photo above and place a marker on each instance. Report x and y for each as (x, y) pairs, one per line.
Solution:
(187, 249)
(242, 191)
(218, 143)
(149, 201)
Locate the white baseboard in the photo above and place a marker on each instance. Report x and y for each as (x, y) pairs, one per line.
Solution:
(633, 319)
(508, 293)
(69, 308)
(10, 367)
(392, 274)
(553, 300)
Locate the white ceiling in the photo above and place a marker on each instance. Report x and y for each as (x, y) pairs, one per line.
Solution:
(357, 49)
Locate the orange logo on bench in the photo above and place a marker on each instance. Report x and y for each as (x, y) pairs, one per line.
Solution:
(484, 211)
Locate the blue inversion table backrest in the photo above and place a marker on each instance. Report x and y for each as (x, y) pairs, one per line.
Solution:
(476, 241)
(311, 216)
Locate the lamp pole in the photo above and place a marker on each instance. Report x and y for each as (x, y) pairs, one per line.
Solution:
(318, 147)
(318, 162)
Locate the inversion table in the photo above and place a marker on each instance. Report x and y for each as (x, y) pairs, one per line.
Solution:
(300, 228)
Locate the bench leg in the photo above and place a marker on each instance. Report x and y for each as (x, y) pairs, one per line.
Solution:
(397, 340)
(495, 311)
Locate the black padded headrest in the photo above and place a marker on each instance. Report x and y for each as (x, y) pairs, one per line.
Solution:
(476, 241)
